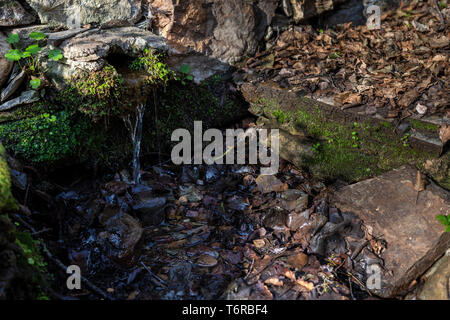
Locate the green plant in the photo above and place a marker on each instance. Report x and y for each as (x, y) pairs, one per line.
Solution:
(151, 63)
(445, 220)
(28, 58)
(281, 116)
(316, 147)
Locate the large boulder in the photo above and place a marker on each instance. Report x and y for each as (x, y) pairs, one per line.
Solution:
(5, 65)
(223, 29)
(73, 13)
(13, 14)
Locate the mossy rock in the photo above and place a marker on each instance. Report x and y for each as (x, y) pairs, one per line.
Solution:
(7, 201)
(346, 146)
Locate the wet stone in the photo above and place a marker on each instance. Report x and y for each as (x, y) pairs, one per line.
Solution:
(394, 211)
(269, 183)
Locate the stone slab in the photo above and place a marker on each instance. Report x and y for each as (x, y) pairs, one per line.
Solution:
(415, 238)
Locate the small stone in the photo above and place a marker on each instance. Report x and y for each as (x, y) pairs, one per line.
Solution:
(298, 261)
(206, 260)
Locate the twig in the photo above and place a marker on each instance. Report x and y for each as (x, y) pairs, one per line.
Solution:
(161, 281)
(440, 15)
(89, 284)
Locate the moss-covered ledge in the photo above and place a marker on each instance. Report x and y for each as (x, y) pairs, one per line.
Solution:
(346, 146)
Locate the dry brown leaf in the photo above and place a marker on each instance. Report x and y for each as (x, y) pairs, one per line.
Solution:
(274, 282)
(347, 97)
(444, 133)
(420, 182)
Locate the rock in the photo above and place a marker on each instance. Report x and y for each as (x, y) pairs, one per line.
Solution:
(12, 87)
(27, 97)
(270, 183)
(122, 234)
(297, 261)
(18, 179)
(305, 9)
(206, 260)
(89, 49)
(149, 208)
(5, 65)
(191, 193)
(223, 29)
(350, 11)
(437, 281)
(415, 238)
(77, 13)
(56, 38)
(296, 220)
(294, 200)
(13, 14)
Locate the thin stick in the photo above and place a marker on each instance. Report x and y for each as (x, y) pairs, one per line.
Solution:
(440, 15)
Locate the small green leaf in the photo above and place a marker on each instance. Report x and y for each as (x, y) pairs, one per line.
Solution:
(14, 55)
(442, 219)
(55, 55)
(13, 38)
(447, 229)
(33, 49)
(37, 35)
(35, 83)
(186, 69)
(31, 261)
(189, 77)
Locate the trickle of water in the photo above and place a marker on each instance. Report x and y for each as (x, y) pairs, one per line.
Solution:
(136, 138)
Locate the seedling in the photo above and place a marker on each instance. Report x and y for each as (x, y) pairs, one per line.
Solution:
(445, 220)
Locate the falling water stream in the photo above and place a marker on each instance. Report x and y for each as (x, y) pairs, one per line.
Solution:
(136, 138)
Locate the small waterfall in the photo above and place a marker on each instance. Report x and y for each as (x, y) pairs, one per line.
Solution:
(136, 137)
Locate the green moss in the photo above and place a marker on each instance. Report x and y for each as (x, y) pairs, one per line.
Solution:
(347, 151)
(421, 125)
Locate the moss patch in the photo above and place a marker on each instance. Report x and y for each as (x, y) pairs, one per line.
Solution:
(350, 152)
